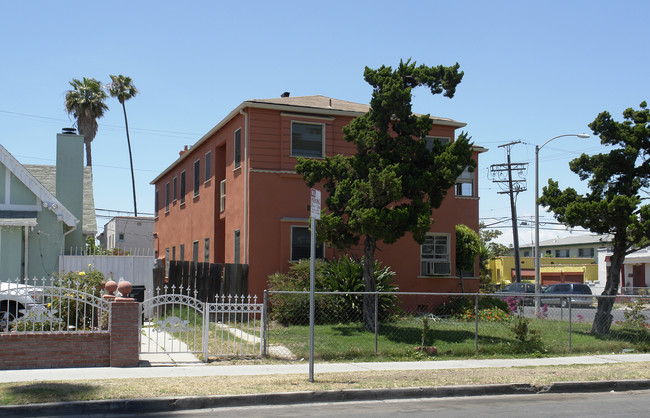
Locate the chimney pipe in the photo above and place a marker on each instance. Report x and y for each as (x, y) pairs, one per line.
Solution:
(183, 151)
(69, 131)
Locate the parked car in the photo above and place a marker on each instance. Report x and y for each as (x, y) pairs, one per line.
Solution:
(560, 294)
(518, 289)
(15, 298)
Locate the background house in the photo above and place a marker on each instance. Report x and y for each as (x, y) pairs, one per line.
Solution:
(42, 210)
(234, 196)
(571, 246)
(129, 233)
(552, 270)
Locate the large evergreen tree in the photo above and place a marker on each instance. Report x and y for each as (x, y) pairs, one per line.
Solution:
(395, 180)
(85, 102)
(618, 183)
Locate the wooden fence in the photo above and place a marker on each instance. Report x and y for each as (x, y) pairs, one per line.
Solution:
(209, 279)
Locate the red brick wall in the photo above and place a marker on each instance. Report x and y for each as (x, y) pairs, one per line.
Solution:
(45, 350)
(54, 350)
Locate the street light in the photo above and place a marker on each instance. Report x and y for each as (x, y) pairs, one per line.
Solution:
(537, 261)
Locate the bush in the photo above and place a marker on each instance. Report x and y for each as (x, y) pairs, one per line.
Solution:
(342, 275)
(459, 305)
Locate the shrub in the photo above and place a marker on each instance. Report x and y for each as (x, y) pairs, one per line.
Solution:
(342, 275)
(527, 340)
(459, 305)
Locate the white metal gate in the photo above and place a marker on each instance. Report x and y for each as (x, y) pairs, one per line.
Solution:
(174, 320)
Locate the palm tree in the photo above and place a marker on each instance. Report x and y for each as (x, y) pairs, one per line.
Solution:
(122, 88)
(86, 103)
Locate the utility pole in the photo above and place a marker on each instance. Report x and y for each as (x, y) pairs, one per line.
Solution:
(502, 175)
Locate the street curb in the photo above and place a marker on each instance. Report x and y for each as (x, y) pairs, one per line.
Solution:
(130, 406)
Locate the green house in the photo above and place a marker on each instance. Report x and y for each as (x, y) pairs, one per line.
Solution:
(45, 211)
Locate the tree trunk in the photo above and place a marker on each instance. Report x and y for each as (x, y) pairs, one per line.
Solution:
(128, 142)
(603, 318)
(89, 158)
(369, 281)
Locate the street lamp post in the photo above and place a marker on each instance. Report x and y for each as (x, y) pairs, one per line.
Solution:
(537, 258)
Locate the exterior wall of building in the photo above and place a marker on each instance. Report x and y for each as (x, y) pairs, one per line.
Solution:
(137, 234)
(267, 196)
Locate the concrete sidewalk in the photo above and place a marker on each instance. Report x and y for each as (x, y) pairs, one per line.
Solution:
(162, 369)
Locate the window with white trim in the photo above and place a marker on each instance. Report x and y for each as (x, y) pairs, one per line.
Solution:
(222, 196)
(166, 197)
(174, 188)
(301, 244)
(434, 255)
(465, 183)
(439, 139)
(307, 139)
(182, 187)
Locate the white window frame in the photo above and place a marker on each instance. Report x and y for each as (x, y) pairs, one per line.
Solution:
(441, 139)
(322, 125)
(291, 257)
(432, 263)
(222, 196)
(466, 177)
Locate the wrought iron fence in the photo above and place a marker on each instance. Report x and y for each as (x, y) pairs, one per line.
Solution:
(416, 325)
(174, 319)
(52, 305)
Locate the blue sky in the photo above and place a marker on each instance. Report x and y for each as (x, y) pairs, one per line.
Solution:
(533, 70)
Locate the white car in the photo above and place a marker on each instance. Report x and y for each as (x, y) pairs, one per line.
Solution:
(14, 298)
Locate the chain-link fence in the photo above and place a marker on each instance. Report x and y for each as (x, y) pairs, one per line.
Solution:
(404, 326)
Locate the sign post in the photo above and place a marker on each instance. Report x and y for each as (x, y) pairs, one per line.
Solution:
(315, 207)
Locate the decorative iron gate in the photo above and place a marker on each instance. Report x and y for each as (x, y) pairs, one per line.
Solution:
(176, 321)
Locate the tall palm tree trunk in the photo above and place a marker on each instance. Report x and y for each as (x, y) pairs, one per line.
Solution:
(128, 141)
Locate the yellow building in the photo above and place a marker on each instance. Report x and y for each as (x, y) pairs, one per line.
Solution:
(552, 270)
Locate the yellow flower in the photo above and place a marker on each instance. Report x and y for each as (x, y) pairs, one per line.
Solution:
(82, 273)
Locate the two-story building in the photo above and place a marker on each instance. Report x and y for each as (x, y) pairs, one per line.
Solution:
(234, 196)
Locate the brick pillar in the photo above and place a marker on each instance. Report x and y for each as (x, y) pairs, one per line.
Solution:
(125, 342)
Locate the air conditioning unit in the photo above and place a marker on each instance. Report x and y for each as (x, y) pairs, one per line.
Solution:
(433, 268)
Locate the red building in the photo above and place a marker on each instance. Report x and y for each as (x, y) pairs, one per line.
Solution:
(234, 196)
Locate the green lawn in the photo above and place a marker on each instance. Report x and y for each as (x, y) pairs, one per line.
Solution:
(453, 339)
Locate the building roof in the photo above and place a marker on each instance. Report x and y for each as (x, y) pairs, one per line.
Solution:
(301, 104)
(45, 195)
(46, 175)
(590, 239)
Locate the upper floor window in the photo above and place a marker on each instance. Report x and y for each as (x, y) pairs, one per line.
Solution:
(586, 252)
(465, 183)
(307, 139)
(436, 139)
(183, 187)
(222, 196)
(167, 197)
(562, 253)
(156, 206)
(197, 176)
(208, 166)
(237, 148)
(435, 256)
(174, 189)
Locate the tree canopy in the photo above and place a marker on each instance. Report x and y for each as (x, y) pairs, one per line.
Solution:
(618, 185)
(397, 177)
(468, 247)
(85, 102)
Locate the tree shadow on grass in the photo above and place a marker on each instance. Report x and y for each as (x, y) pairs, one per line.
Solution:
(50, 392)
(413, 335)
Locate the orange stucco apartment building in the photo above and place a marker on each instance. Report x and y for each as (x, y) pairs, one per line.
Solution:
(234, 196)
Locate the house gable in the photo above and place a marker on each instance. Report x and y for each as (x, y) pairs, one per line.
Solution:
(22, 192)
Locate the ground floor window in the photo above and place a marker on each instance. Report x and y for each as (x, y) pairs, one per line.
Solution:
(435, 255)
(301, 244)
